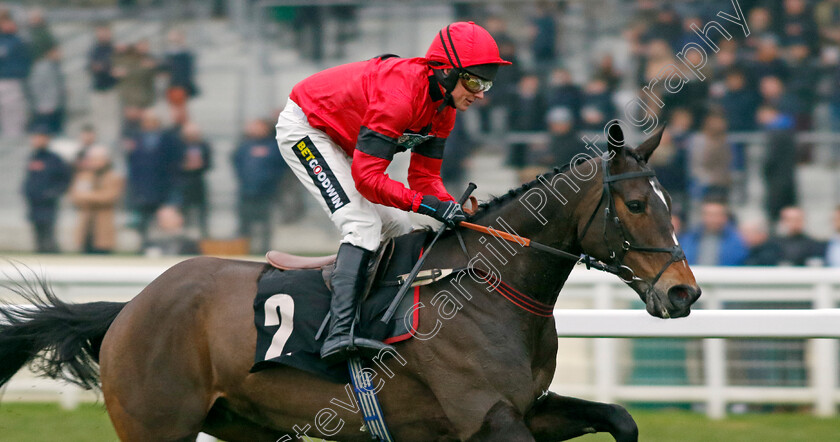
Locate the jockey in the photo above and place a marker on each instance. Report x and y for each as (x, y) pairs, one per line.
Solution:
(341, 128)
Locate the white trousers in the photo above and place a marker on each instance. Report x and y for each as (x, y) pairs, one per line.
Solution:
(324, 170)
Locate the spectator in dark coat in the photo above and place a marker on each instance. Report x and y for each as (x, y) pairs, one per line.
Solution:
(761, 25)
(671, 166)
(739, 102)
(104, 102)
(803, 85)
(762, 251)
(774, 94)
(504, 86)
(544, 36)
(564, 93)
(196, 161)
(258, 165)
(666, 26)
(605, 69)
(564, 142)
(797, 23)
(780, 160)
(47, 178)
(179, 65)
(798, 249)
(527, 114)
(715, 242)
(768, 61)
(41, 39)
(596, 105)
(15, 61)
(152, 172)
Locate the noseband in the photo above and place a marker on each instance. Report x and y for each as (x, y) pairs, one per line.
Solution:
(616, 257)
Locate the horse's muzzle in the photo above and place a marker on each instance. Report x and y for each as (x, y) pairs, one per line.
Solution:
(681, 297)
(675, 303)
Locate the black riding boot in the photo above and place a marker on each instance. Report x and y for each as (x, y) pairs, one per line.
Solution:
(348, 282)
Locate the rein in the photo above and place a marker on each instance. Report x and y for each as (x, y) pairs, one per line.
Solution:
(589, 261)
(617, 267)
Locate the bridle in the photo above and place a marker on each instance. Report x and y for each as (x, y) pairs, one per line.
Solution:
(624, 272)
(616, 264)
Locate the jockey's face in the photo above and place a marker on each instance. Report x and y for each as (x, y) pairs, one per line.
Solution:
(462, 98)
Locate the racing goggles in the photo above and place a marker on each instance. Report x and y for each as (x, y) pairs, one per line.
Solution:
(475, 84)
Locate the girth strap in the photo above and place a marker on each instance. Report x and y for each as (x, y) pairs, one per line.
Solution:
(368, 402)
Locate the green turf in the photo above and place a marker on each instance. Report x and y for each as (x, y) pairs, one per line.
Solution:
(23, 422)
(684, 426)
(48, 423)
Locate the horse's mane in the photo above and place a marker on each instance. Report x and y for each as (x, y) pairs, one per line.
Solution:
(500, 200)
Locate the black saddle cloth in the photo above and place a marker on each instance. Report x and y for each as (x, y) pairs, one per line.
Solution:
(291, 305)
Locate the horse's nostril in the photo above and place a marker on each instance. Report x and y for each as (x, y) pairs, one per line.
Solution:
(682, 295)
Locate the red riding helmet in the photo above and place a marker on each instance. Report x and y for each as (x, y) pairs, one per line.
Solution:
(466, 46)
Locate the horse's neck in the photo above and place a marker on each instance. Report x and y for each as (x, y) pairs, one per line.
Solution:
(533, 272)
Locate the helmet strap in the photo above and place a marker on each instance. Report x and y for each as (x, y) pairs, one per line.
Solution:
(448, 82)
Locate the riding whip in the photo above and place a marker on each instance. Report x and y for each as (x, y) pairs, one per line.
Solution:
(407, 282)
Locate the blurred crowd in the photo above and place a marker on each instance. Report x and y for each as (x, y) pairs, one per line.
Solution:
(770, 83)
(161, 181)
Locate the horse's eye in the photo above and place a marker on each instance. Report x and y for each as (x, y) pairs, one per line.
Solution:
(636, 206)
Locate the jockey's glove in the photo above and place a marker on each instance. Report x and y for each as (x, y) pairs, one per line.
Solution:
(447, 212)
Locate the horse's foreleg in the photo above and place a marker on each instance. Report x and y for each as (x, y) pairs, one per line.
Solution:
(504, 424)
(561, 418)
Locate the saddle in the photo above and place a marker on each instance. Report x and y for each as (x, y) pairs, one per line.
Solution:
(286, 261)
(291, 305)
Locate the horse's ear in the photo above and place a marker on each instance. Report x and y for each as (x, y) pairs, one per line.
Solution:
(648, 146)
(615, 138)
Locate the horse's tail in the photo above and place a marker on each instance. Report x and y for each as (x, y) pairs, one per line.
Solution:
(59, 340)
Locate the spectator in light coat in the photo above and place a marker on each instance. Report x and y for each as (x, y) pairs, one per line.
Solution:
(710, 158)
(135, 69)
(47, 93)
(95, 192)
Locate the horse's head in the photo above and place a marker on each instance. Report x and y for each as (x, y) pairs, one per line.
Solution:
(628, 226)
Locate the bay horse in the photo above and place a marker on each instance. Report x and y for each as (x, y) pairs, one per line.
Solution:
(175, 360)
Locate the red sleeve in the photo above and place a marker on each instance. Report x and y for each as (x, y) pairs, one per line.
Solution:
(376, 186)
(424, 170)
